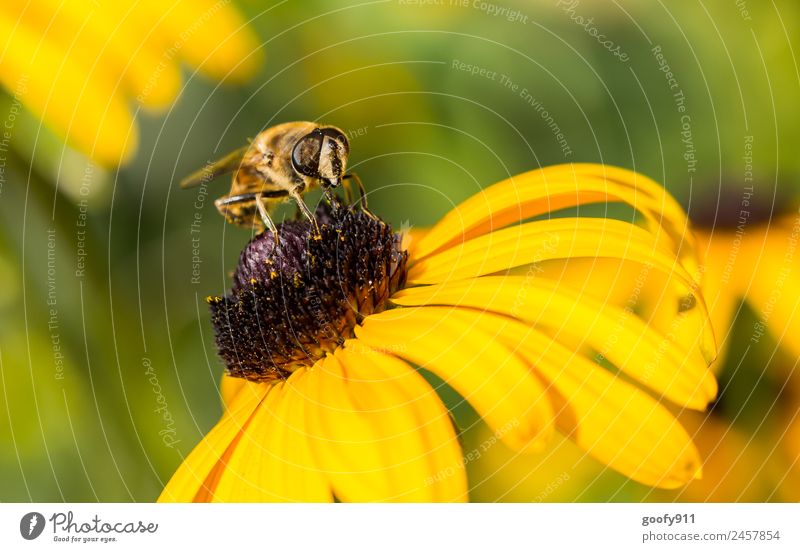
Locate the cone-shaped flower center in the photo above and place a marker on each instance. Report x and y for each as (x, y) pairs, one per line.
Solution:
(291, 304)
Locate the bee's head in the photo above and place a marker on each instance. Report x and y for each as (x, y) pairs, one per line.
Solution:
(322, 154)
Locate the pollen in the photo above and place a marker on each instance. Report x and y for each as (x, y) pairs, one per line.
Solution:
(290, 305)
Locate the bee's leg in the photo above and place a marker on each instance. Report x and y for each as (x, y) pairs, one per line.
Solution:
(331, 197)
(266, 219)
(295, 194)
(361, 193)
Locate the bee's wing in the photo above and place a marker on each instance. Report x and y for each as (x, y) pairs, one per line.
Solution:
(227, 164)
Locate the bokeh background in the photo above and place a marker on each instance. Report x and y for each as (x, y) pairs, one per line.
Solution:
(109, 373)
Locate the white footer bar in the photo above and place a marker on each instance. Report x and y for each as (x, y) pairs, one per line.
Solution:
(356, 527)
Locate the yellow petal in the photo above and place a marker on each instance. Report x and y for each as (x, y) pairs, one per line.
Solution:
(487, 374)
(543, 240)
(76, 102)
(191, 480)
(410, 238)
(272, 461)
(423, 456)
(345, 444)
(373, 441)
(208, 34)
(545, 190)
(612, 420)
(723, 287)
(658, 298)
(103, 39)
(616, 333)
(229, 387)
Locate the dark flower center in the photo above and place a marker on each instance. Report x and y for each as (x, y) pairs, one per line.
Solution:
(291, 304)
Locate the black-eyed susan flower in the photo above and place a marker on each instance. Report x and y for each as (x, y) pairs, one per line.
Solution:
(80, 67)
(329, 345)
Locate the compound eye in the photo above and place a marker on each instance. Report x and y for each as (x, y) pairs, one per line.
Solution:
(338, 135)
(305, 155)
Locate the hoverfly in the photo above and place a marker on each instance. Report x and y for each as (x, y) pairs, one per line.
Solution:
(282, 162)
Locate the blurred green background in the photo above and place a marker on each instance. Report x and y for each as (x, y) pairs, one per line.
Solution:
(110, 374)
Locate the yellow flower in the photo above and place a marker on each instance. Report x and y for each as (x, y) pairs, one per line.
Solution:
(752, 264)
(759, 263)
(498, 301)
(80, 66)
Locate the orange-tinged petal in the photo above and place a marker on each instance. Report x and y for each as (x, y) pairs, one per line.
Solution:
(614, 421)
(545, 190)
(373, 440)
(224, 471)
(616, 333)
(486, 373)
(191, 480)
(272, 461)
(346, 445)
(653, 295)
(544, 240)
(423, 454)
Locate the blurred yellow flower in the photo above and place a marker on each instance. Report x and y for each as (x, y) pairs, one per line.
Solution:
(81, 66)
(754, 265)
(759, 263)
(497, 300)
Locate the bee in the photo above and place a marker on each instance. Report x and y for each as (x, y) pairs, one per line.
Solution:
(282, 162)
